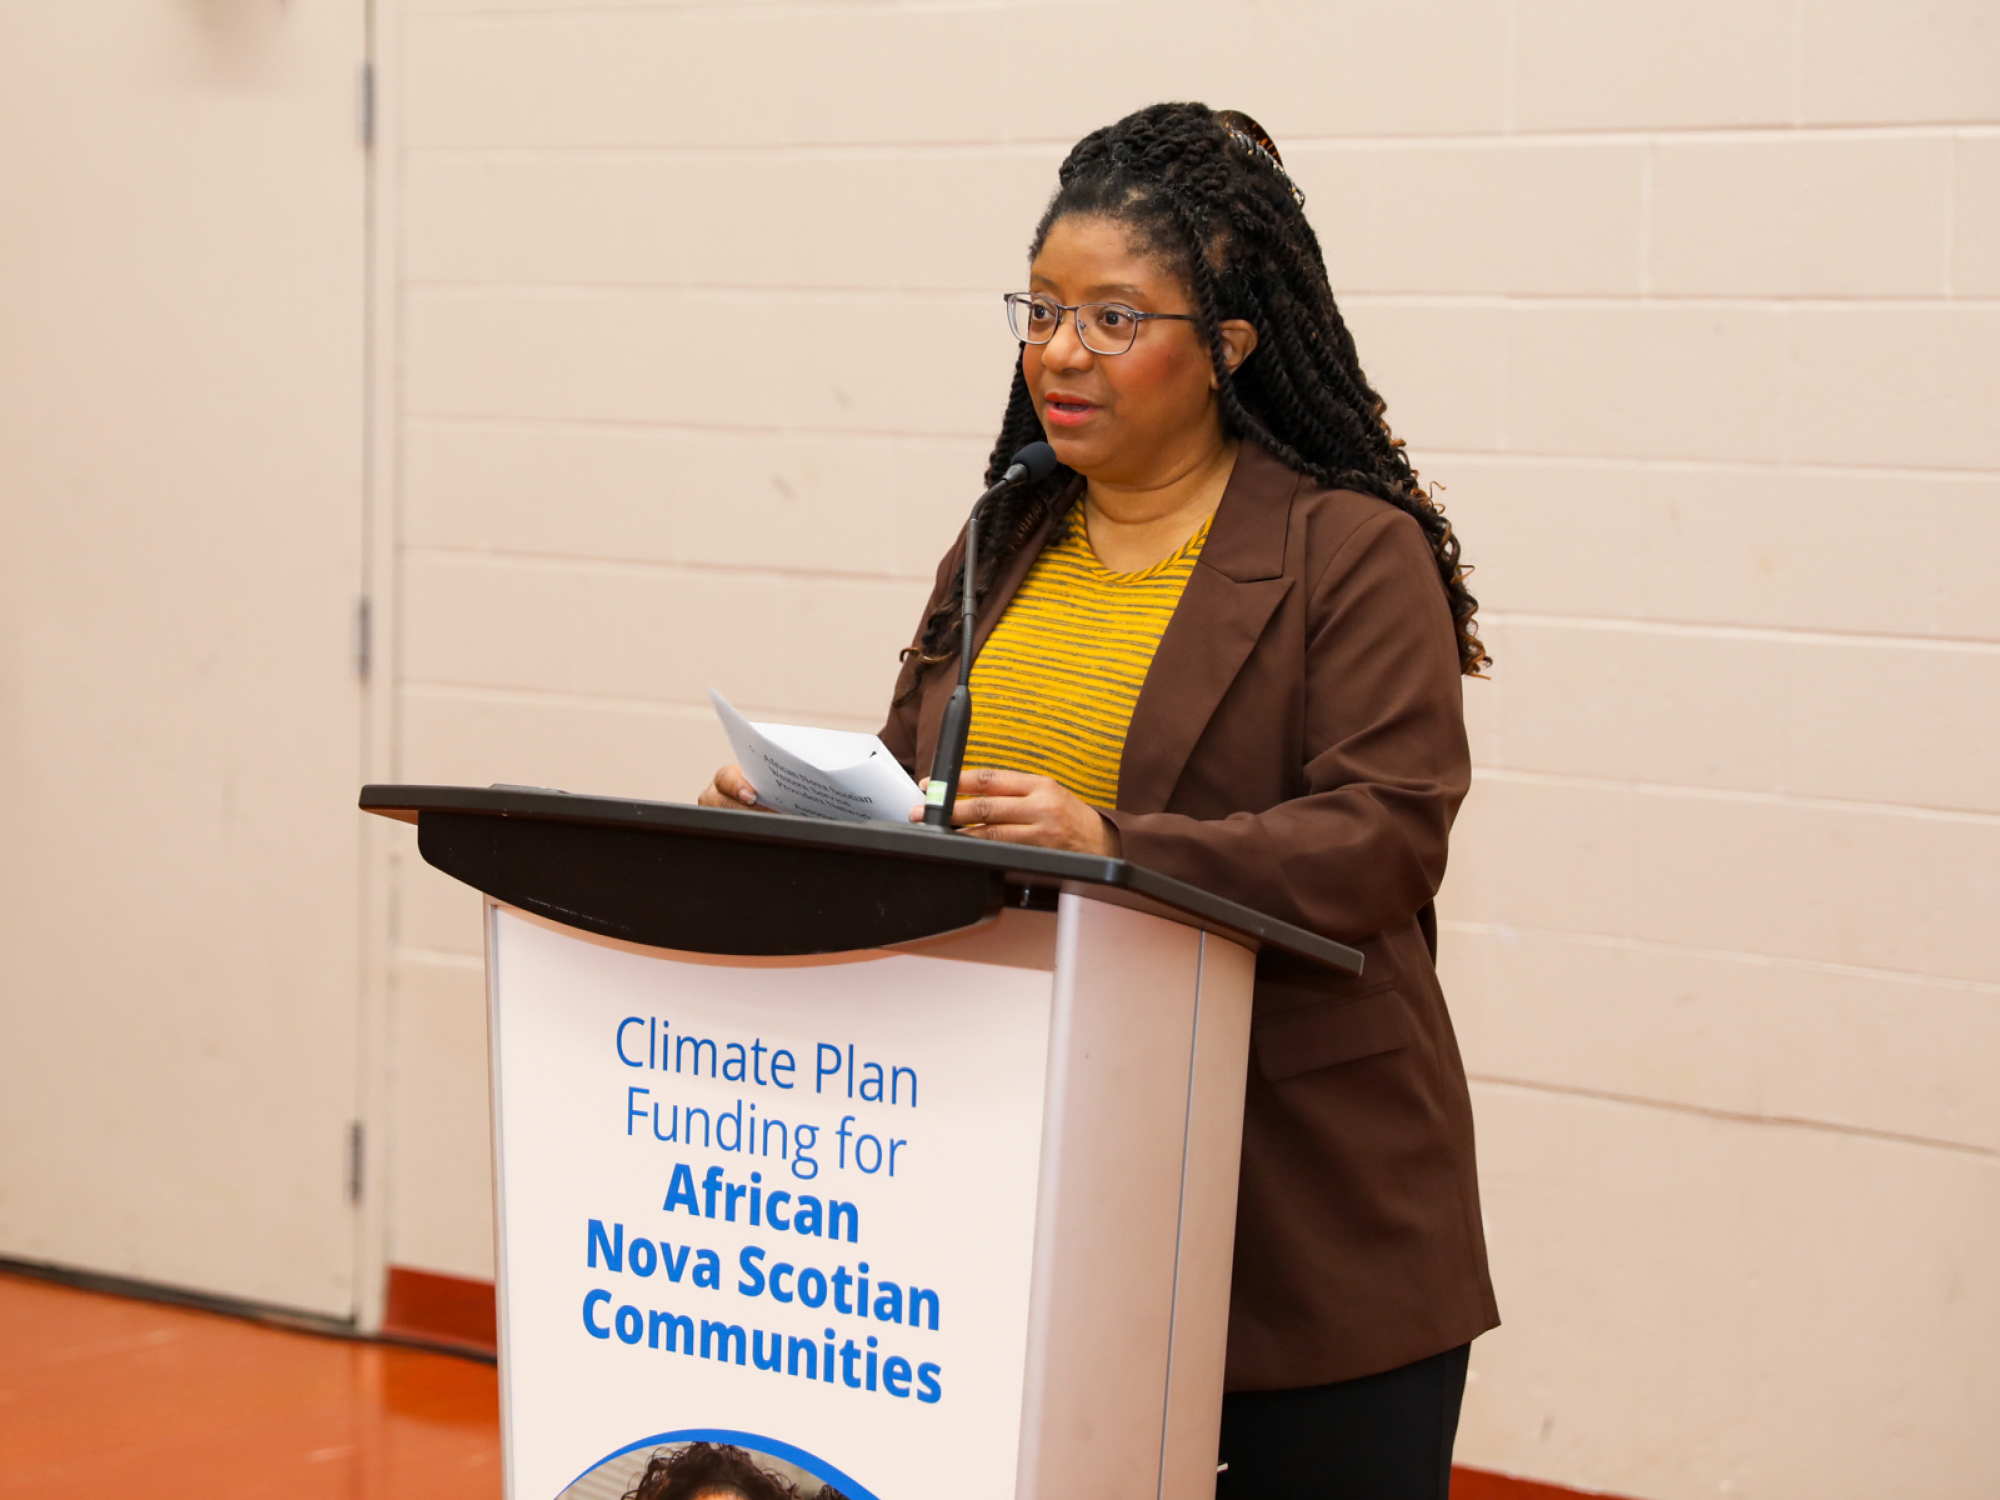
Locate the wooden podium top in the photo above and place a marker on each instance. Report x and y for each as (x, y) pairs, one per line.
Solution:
(715, 880)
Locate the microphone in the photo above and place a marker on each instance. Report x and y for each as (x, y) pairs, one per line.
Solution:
(1034, 462)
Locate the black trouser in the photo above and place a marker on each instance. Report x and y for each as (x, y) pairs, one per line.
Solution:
(1382, 1437)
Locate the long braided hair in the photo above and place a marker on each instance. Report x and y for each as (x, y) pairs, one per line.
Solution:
(1206, 192)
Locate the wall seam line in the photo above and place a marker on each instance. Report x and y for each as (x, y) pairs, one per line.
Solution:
(1503, 931)
(1737, 1117)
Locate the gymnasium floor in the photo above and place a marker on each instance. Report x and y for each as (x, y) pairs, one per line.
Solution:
(104, 1397)
(107, 1398)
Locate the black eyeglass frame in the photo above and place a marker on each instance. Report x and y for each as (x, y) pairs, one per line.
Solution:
(1023, 299)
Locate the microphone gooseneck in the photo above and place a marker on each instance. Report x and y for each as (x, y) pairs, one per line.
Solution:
(1034, 462)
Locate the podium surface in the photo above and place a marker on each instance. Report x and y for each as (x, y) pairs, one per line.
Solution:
(904, 1160)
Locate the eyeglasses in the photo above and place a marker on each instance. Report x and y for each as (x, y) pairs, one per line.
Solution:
(1104, 327)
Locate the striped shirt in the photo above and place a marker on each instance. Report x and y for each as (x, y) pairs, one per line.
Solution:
(1054, 686)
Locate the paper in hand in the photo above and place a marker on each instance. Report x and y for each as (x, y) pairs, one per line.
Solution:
(819, 773)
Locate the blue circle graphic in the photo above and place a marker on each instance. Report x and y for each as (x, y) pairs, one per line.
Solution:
(814, 1465)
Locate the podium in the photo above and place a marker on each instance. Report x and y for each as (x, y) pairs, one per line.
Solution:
(904, 1160)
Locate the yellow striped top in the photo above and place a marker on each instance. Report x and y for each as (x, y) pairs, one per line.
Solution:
(1054, 686)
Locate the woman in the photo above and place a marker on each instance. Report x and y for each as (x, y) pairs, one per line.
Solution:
(707, 1471)
(1225, 640)
(714, 1471)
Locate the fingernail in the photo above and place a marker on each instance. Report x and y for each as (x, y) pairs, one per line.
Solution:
(746, 795)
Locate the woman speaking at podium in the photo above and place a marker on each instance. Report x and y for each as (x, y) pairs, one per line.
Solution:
(1224, 640)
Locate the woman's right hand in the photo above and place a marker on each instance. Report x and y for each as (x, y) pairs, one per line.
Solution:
(730, 788)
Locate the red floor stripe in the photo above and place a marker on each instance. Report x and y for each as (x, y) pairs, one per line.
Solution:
(445, 1309)
(1479, 1484)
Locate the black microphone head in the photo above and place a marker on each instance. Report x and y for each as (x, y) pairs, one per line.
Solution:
(1039, 459)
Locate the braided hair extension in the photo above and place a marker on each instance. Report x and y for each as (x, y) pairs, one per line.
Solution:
(1206, 192)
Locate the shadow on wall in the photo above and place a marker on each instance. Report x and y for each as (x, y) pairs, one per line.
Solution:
(233, 43)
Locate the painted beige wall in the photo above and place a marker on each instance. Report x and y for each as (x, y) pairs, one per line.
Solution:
(692, 352)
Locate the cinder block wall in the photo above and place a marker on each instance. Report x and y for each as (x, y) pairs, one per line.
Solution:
(1694, 310)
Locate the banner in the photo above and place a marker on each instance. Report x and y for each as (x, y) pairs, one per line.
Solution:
(781, 1206)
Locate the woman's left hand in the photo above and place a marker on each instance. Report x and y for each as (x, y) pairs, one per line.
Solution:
(1012, 807)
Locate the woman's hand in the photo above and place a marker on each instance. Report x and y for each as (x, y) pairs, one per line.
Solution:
(1012, 807)
(730, 789)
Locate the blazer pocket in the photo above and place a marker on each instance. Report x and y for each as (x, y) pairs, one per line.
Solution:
(1346, 1030)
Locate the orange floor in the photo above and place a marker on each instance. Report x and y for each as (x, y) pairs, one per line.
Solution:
(105, 1398)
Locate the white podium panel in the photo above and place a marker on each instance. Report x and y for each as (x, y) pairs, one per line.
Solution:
(948, 1219)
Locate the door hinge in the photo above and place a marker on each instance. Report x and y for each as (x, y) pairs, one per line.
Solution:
(364, 637)
(354, 1159)
(364, 104)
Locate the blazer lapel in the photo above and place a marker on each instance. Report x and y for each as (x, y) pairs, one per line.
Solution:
(1236, 586)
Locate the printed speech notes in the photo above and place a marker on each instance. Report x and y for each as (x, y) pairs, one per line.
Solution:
(819, 773)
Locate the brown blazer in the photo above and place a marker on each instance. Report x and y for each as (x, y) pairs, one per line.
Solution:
(1299, 746)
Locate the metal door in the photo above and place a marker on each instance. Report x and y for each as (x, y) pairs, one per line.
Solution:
(181, 466)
